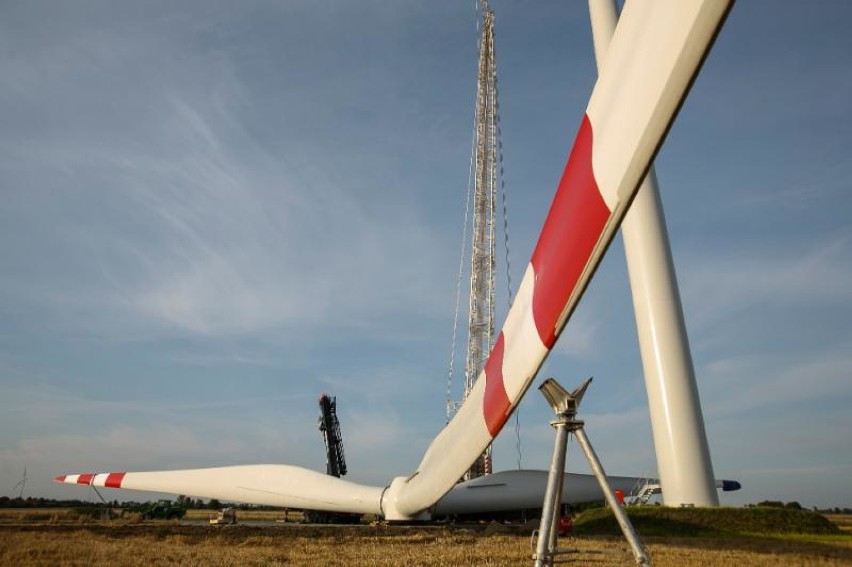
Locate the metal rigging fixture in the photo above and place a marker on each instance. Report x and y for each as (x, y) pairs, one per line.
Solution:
(565, 404)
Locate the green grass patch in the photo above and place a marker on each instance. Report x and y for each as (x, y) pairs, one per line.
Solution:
(691, 522)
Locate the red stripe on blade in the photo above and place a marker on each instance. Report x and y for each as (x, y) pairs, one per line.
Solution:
(60, 479)
(572, 228)
(85, 478)
(496, 406)
(113, 480)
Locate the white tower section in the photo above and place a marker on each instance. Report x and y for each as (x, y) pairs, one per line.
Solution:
(683, 456)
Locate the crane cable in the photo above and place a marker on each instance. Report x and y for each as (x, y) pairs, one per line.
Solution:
(504, 196)
(460, 274)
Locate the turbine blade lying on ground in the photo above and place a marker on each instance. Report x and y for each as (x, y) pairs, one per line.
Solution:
(654, 56)
(273, 485)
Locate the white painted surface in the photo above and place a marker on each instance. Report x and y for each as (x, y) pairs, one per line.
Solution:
(523, 490)
(651, 60)
(683, 455)
(274, 485)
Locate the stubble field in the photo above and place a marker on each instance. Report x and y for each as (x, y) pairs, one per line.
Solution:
(61, 539)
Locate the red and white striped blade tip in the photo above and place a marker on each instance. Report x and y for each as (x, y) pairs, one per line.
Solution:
(107, 480)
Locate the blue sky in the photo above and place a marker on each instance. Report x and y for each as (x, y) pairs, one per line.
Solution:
(211, 213)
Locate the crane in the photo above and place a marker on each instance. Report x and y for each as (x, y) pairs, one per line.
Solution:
(335, 464)
(335, 461)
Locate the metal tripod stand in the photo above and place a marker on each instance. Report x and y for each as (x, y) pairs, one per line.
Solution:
(565, 405)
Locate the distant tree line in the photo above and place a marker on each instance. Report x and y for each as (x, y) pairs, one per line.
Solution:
(778, 504)
(190, 503)
(199, 503)
(796, 506)
(836, 510)
(30, 502)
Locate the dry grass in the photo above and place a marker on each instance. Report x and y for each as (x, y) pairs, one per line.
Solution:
(247, 515)
(842, 521)
(27, 539)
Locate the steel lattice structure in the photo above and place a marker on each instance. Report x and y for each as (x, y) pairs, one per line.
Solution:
(483, 243)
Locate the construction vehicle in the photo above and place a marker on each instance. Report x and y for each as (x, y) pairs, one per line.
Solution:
(160, 510)
(224, 517)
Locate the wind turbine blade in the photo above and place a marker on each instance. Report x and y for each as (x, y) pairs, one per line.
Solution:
(655, 54)
(274, 485)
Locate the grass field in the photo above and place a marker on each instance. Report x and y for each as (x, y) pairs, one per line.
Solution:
(65, 538)
(842, 521)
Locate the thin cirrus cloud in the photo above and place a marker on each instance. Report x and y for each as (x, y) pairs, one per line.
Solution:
(196, 225)
(717, 287)
(215, 246)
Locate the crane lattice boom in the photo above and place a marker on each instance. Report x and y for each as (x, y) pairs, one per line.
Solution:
(485, 166)
(330, 427)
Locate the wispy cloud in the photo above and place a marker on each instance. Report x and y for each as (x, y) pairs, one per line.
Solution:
(582, 337)
(776, 380)
(207, 231)
(716, 288)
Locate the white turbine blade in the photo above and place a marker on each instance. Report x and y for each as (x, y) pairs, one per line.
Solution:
(654, 55)
(272, 485)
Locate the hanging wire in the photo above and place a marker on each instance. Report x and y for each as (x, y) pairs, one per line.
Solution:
(505, 198)
(468, 198)
(458, 282)
(505, 201)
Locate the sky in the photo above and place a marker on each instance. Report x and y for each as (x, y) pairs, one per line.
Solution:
(212, 212)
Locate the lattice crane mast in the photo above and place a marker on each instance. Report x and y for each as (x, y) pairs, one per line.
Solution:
(330, 427)
(486, 172)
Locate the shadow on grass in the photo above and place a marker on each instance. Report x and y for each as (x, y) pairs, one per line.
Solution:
(707, 522)
(760, 530)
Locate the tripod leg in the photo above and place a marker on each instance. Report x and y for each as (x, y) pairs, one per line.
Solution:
(552, 499)
(557, 505)
(639, 551)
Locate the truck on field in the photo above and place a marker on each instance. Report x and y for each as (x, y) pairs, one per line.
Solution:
(161, 510)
